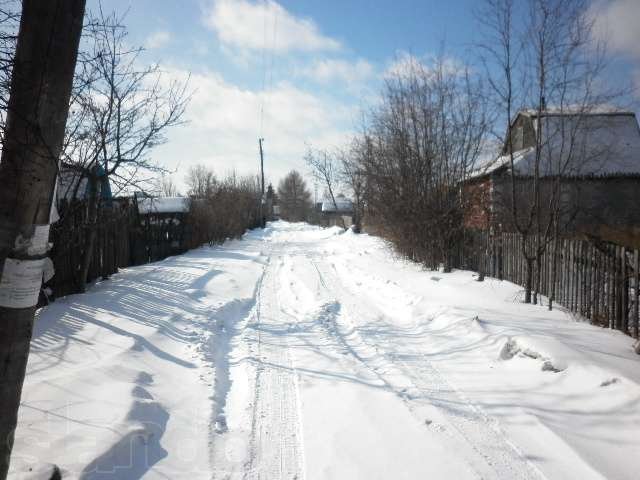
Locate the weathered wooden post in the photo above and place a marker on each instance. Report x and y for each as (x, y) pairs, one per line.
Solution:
(41, 84)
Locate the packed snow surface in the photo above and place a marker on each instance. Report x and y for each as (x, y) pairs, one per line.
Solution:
(300, 352)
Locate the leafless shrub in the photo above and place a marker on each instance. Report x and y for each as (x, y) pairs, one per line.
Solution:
(221, 208)
(420, 145)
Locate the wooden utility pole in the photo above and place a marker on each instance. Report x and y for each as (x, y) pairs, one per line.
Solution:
(262, 217)
(41, 84)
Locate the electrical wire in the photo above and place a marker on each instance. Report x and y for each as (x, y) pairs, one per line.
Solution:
(267, 67)
(264, 66)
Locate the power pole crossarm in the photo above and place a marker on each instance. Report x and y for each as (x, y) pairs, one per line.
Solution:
(41, 83)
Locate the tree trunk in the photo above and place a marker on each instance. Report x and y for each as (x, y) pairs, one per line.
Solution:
(357, 217)
(41, 84)
(537, 277)
(482, 251)
(528, 283)
(554, 273)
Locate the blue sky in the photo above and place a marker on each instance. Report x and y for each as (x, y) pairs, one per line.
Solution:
(311, 67)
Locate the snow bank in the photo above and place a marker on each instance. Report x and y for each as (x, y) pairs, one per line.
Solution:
(566, 392)
(128, 380)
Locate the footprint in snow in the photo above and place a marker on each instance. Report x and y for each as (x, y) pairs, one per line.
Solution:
(610, 381)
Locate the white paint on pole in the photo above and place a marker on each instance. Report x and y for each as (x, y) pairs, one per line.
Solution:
(20, 283)
(34, 241)
(40, 241)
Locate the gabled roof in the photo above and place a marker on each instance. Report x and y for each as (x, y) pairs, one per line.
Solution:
(344, 206)
(568, 111)
(601, 142)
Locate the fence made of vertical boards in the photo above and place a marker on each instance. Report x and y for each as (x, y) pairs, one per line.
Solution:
(123, 238)
(598, 280)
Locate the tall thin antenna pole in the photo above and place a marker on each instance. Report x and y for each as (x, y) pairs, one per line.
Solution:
(262, 218)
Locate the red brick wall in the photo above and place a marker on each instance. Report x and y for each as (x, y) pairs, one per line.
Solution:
(477, 198)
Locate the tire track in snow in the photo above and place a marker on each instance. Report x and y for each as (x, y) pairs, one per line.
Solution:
(275, 447)
(228, 448)
(493, 454)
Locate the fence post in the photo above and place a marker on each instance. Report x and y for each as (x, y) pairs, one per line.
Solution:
(624, 291)
(594, 312)
(636, 284)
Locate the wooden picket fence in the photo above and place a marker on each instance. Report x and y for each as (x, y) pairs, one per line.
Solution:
(123, 239)
(597, 280)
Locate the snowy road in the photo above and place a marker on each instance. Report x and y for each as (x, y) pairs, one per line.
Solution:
(313, 362)
(307, 353)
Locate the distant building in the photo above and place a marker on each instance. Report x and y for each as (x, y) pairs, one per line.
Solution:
(339, 213)
(163, 223)
(73, 187)
(73, 184)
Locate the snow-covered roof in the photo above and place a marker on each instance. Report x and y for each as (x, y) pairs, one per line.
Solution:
(163, 205)
(580, 144)
(576, 110)
(343, 204)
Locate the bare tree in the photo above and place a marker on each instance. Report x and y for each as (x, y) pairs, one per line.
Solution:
(201, 181)
(353, 176)
(294, 197)
(325, 167)
(9, 22)
(541, 55)
(422, 142)
(166, 187)
(121, 112)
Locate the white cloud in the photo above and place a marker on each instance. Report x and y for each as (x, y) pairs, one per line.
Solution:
(257, 25)
(329, 70)
(406, 63)
(403, 65)
(224, 125)
(158, 39)
(616, 21)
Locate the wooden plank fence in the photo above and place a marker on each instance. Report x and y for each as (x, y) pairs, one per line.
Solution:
(123, 239)
(597, 280)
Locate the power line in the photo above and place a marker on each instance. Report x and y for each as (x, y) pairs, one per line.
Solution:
(264, 65)
(273, 49)
(267, 67)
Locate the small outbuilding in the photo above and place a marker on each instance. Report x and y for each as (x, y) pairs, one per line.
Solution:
(338, 213)
(162, 221)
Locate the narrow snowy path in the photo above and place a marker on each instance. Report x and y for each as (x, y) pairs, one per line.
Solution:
(308, 353)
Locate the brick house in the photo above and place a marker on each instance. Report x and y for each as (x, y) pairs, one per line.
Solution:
(595, 156)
